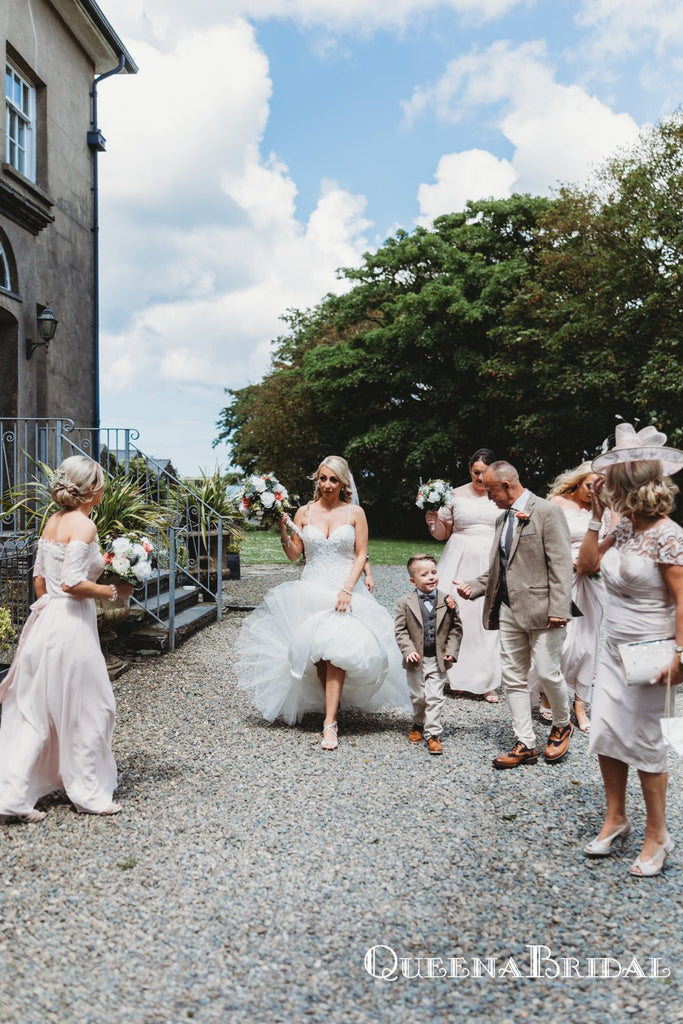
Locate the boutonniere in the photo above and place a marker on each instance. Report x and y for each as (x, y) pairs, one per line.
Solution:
(522, 516)
(450, 603)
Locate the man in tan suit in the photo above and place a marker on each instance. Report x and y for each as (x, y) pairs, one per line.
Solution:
(527, 597)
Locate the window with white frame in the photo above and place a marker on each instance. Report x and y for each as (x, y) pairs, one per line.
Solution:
(5, 279)
(20, 98)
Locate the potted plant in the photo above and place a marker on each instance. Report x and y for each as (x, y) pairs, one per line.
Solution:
(201, 521)
(7, 637)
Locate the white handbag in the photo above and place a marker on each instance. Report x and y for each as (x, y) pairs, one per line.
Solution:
(643, 659)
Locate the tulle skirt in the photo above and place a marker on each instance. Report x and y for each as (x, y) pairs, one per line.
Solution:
(294, 628)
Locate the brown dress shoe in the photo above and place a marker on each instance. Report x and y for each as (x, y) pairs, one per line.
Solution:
(520, 754)
(434, 745)
(558, 743)
(416, 734)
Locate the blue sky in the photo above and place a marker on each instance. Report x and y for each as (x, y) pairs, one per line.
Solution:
(265, 143)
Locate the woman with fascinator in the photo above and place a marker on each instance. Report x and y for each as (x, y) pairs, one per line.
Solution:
(314, 639)
(641, 563)
(58, 706)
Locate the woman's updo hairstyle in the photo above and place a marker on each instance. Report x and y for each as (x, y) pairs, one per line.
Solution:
(76, 481)
(340, 468)
(640, 488)
(484, 455)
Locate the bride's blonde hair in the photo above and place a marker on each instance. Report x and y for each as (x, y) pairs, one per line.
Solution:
(340, 468)
(76, 481)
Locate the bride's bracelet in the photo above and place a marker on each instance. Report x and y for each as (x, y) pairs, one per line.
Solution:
(594, 526)
(345, 591)
(114, 593)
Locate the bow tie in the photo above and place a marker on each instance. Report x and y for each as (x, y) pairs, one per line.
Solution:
(427, 597)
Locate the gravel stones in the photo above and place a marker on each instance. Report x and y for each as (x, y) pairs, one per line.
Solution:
(250, 873)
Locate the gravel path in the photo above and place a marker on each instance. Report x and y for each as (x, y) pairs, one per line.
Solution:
(249, 873)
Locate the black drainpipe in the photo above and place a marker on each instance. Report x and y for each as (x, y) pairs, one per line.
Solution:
(96, 144)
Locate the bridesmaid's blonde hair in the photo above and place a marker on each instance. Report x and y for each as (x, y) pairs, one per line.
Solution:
(340, 468)
(76, 481)
(568, 481)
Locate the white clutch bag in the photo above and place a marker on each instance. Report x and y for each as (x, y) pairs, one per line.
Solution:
(644, 659)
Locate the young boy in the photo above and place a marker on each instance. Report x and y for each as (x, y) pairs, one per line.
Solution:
(428, 632)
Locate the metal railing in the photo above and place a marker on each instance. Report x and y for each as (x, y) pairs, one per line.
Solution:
(191, 547)
(17, 555)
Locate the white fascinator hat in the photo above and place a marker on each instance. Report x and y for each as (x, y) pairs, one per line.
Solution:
(637, 446)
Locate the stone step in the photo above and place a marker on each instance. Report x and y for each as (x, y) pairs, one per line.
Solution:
(154, 637)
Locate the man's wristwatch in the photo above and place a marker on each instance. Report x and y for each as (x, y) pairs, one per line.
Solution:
(679, 652)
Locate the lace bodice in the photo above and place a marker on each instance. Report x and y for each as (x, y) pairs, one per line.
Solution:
(329, 559)
(67, 563)
(639, 601)
(470, 514)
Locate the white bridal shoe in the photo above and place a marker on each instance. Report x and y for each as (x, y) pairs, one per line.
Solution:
(603, 847)
(653, 866)
(330, 741)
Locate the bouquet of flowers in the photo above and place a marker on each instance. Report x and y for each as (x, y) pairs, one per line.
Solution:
(129, 558)
(433, 495)
(263, 498)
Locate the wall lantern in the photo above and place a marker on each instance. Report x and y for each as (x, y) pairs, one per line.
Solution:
(47, 325)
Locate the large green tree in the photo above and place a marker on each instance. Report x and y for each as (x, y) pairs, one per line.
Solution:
(524, 324)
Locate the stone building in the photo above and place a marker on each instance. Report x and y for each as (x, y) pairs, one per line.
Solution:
(55, 51)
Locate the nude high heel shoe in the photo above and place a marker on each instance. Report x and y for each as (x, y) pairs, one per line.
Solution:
(603, 847)
(652, 866)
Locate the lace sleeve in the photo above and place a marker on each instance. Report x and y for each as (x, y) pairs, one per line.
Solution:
(445, 514)
(670, 546)
(622, 531)
(76, 563)
(39, 564)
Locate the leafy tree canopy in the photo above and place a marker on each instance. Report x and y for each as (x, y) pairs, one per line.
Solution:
(523, 324)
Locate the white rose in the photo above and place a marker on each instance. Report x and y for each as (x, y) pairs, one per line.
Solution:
(142, 571)
(120, 546)
(119, 565)
(433, 496)
(138, 552)
(258, 484)
(267, 499)
(420, 502)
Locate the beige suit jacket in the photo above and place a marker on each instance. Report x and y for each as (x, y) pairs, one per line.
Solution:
(410, 628)
(539, 572)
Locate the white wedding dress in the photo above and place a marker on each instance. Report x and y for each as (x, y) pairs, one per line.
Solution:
(625, 719)
(57, 703)
(466, 556)
(296, 626)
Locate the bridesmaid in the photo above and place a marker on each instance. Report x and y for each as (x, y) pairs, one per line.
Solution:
(572, 490)
(468, 524)
(58, 705)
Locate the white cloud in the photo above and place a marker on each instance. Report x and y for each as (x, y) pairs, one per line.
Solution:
(202, 249)
(162, 21)
(622, 27)
(473, 174)
(559, 133)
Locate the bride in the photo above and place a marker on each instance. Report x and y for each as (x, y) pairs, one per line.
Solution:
(312, 639)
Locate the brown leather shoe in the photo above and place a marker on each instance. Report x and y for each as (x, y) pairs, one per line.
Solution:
(520, 754)
(558, 743)
(416, 734)
(434, 745)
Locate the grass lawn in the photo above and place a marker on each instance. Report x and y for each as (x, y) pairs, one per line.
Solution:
(262, 546)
